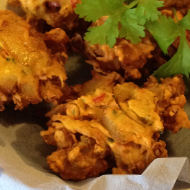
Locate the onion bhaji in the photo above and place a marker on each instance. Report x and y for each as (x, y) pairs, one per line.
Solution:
(29, 71)
(98, 81)
(110, 126)
(58, 14)
(133, 61)
(182, 5)
(114, 124)
(170, 100)
(123, 57)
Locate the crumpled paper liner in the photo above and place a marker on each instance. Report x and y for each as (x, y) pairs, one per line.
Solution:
(23, 163)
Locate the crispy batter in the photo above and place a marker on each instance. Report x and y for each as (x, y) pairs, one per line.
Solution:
(120, 123)
(180, 5)
(28, 70)
(98, 81)
(170, 101)
(123, 57)
(134, 60)
(56, 40)
(106, 82)
(58, 14)
(176, 3)
(14, 3)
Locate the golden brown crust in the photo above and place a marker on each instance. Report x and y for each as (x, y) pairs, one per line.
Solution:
(56, 14)
(28, 70)
(170, 101)
(122, 122)
(14, 3)
(119, 122)
(177, 3)
(98, 81)
(123, 56)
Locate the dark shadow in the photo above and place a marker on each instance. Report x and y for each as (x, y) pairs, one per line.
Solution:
(166, 138)
(30, 146)
(31, 114)
(1, 171)
(78, 71)
(179, 185)
(177, 144)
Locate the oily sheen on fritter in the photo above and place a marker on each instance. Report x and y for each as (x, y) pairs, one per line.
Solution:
(29, 72)
(114, 126)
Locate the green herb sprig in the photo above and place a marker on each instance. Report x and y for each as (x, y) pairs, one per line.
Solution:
(132, 18)
(128, 19)
(165, 36)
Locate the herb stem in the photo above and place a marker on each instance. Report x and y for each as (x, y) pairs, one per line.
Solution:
(132, 4)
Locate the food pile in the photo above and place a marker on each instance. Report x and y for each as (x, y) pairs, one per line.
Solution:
(113, 121)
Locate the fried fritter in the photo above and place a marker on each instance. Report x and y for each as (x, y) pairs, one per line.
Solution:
(106, 82)
(124, 57)
(58, 14)
(170, 100)
(29, 72)
(133, 61)
(182, 5)
(109, 125)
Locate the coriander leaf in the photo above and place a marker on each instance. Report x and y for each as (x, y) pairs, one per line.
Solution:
(132, 4)
(104, 34)
(151, 8)
(130, 29)
(179, 63)
(132, 17)
(185, 22)
(164, 31)
(139, 12)
(92, 10)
